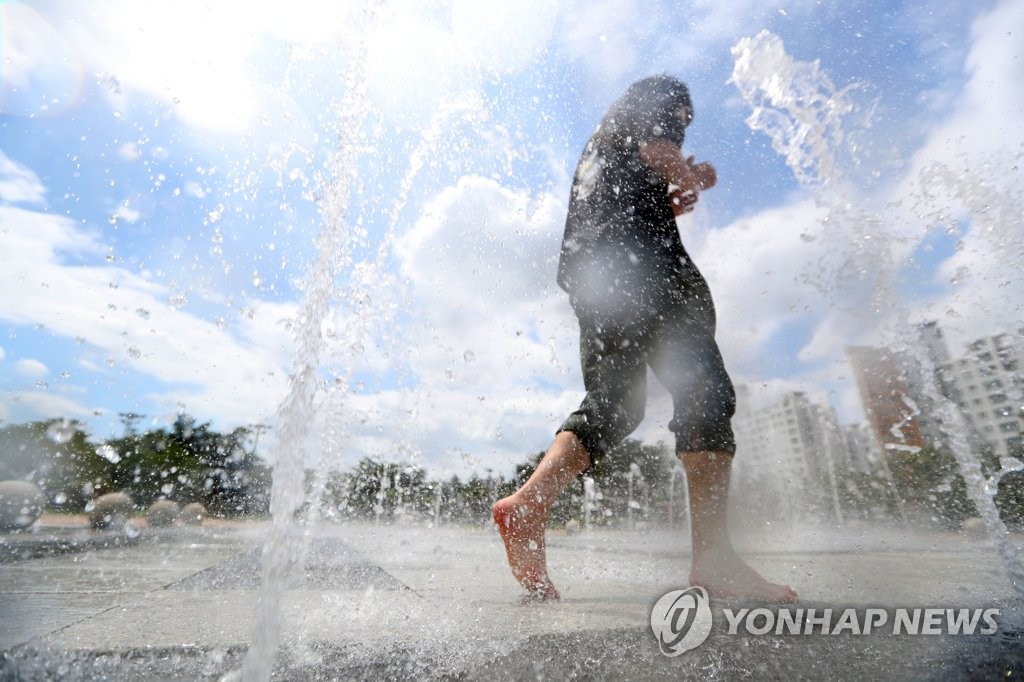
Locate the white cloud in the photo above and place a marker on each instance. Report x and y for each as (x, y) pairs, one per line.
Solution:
(18, 183)
(968, 171)
(131, 326)
(206, 60)
(31, 368)
(38, 404)
(194, 189)
(238, 73)
(413, 68)
(617, 40)
(493, 346)
(503, 37)
(125, 212)
(42, 75)
(594, 34)
(129, 151)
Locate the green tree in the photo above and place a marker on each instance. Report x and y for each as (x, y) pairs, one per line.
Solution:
(1010, 500)
(57, 456)
(929, 481)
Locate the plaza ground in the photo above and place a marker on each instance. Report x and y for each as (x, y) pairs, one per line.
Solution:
(400, 601)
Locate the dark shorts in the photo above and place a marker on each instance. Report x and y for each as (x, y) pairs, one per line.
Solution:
(679, 346)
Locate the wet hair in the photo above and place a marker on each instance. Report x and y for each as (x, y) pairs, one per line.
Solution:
(648, 104)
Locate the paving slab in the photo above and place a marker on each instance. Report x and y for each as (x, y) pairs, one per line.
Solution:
(415, 602)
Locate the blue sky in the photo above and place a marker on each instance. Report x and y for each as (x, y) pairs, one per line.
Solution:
(160, 165)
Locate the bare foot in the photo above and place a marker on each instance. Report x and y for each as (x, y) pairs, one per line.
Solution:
(727, 576)
(523, 535)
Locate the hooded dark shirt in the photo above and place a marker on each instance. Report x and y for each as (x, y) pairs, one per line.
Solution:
(622, 257)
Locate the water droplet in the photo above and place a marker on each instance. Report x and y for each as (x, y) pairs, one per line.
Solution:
(61, 432)
(134, 352)
(469, 356)
(142, 312)
(449, 374)
(177, 301)
(1009, 465)
(60, 498)
(216, 214)
(109, 453)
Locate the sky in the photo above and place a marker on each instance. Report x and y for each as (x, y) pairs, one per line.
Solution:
(174, 175)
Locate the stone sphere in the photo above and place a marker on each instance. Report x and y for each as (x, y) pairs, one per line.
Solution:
(162, 513)
(21, 503)
(193, 514)
(111, 511)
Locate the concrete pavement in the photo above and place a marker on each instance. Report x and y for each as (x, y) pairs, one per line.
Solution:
(394, 601)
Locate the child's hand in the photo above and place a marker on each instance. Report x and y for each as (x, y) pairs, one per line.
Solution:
(705, 173)
(682, 200)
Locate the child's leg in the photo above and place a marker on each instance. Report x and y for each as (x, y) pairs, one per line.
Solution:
(522, 517)
(716, 567)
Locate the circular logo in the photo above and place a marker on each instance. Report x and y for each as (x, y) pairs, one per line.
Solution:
(681, 620)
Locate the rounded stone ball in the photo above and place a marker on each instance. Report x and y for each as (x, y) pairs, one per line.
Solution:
(193, 514)
(162, 513)
(21, 504)
(111, 511)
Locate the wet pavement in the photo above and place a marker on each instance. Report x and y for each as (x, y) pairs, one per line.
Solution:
(404, 601)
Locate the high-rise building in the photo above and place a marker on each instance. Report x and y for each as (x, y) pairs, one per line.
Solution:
(861, 448)
(794, 441)
(987, 384)
(884, 378)
(934, 343)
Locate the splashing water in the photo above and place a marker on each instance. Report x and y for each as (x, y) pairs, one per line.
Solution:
(281, 549)
(371, 295)
(809, 122)
(796, 105)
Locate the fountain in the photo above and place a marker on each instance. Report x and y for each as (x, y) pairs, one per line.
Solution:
(366, 599)
(806, 117)
(677, 470)
(589, 500)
